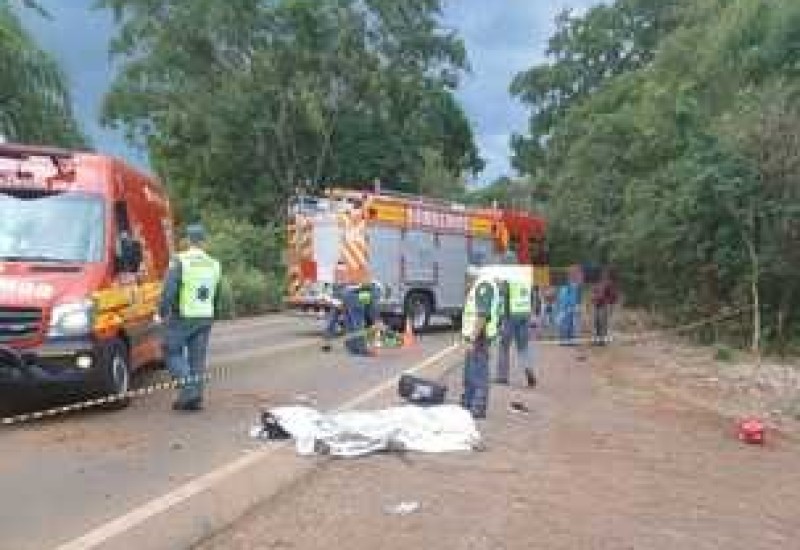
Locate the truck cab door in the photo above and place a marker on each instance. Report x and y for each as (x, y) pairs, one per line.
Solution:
(127, 266)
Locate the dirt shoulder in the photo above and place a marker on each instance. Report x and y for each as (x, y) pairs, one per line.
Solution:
(618, 451)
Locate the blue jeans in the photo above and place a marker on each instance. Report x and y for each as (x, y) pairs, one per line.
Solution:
(332, 322)
(568, 325)
(186, 346)
(548, 316)
(476, 379)
(515, 330)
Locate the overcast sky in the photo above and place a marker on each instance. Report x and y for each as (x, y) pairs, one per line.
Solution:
(503, 37)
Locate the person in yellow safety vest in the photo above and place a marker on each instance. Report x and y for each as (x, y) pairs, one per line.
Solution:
(515, 327)
(480, 324)
(359, 303)
(189, 304)
(369, 295)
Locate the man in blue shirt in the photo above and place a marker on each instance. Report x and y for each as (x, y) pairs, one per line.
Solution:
(568, 302)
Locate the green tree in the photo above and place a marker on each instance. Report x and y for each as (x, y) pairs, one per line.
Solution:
(35, 105)
(681, 167)
(766, 131)
(242, 102)
(264, 96)
(586, 52)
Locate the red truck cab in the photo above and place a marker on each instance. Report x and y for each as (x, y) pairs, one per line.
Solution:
(85, 242)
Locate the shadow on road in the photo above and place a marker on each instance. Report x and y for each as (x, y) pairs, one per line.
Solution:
(28, 400)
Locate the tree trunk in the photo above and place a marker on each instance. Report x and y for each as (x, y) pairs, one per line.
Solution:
(783, 311)
(754, 291)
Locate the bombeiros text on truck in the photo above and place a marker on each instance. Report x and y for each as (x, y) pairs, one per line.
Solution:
(85, 241)
(417, 249)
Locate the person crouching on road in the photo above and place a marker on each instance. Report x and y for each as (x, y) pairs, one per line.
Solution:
(515, 328)
(480, 320)
(189, 304)
(357, 303)
(335, 313)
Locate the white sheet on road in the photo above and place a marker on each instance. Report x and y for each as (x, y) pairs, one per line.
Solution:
(439, 429)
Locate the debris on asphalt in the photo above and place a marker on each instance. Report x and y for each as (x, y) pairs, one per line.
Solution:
(751, 430)
(268, 429)
(305, 399)
(519, 406)
(403, 509)
(436, 429)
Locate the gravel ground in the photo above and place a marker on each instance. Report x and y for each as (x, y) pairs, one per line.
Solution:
(610, 456)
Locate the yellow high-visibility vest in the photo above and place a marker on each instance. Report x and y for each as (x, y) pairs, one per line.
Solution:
(200, 275)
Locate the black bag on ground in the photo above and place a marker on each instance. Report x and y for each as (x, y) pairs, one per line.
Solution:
(420, 391)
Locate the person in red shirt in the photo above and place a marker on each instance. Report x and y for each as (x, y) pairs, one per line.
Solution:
(604, 296)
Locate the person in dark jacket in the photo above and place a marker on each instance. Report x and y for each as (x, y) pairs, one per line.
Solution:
(189, 304)
(335, 314)
(360, 303)
(604, 296)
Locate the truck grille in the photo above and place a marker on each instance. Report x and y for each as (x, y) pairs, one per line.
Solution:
(19, 323)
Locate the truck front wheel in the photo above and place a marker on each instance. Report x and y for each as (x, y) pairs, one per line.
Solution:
(419, 309)
(115, 374)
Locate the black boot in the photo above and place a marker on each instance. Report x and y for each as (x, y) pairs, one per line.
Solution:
(531, 378)
(195, 405)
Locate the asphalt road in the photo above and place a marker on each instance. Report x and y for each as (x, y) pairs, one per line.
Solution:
(61, 477)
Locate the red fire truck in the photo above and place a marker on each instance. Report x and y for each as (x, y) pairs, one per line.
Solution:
(416, 249)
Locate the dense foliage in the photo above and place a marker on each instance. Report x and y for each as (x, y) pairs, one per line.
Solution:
(34, 102)
(665, 136)
(263, 96)
(241, 102)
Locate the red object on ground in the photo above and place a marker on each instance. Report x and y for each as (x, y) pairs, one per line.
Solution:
(751, 430)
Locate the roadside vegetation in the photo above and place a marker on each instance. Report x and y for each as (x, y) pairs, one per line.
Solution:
(664, 138)
(265, 97)
(35, 105)
(664, 135)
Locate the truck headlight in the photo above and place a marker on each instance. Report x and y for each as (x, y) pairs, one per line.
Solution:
(72, 319)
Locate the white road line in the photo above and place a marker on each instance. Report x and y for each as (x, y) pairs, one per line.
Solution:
(265, 351)
(232, 326)
(115, 527)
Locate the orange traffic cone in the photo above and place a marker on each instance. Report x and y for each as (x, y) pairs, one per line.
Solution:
(408, 336)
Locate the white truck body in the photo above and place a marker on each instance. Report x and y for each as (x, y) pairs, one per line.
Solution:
(417, 250)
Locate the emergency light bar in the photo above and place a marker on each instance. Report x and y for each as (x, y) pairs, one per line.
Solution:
(14, 150)
(34, 167)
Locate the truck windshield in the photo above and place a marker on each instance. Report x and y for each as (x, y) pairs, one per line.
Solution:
(51, 227)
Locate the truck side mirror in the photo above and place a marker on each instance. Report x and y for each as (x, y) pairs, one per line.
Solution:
(130, 255)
